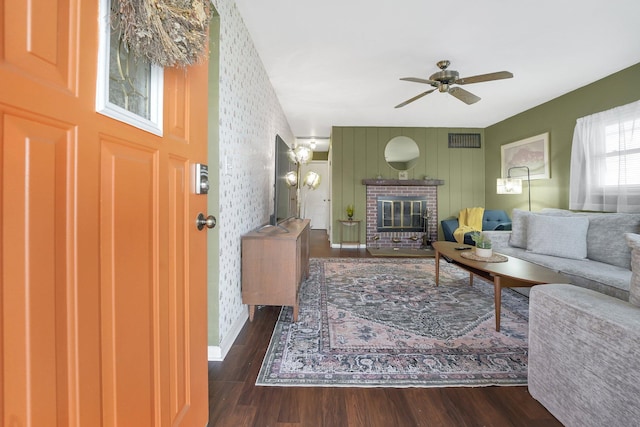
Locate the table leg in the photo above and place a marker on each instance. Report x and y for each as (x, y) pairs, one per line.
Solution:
(252, 312)
(497, 290)
(437, 268)
(470, 279)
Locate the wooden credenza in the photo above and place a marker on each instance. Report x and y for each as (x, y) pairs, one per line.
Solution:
(275, 261)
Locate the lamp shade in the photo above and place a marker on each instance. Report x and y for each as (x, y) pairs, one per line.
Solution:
(312, 180)
(509, 186)
(291, 178)
(301, 155)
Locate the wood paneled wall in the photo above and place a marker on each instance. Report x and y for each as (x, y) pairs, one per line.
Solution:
(358, 153)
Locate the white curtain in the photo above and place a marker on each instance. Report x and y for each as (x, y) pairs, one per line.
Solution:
(605, 161)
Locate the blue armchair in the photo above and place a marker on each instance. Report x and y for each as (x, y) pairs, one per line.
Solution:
(491, 220)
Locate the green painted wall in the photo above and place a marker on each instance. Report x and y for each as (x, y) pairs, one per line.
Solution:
(558, 117)
(358, 153)
(470, 174)
(320, 155)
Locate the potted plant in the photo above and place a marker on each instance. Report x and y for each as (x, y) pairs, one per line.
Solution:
(483, 244)
(350, 211)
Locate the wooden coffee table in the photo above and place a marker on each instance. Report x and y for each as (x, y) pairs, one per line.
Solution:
(514, 273)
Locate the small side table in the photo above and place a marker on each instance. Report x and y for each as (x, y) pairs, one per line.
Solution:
(348, 223)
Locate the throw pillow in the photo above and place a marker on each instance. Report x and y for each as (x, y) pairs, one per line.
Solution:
(634, 287)
(556, 212)
(518, 238)
(560, 236)
(606, 237)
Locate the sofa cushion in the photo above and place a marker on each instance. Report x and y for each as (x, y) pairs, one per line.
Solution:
(519, 224)
(494, 219)
(605, 238)
(604, 278)
(634, 286)
(559, 236)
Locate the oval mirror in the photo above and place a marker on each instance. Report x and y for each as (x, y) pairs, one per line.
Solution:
(401, 153)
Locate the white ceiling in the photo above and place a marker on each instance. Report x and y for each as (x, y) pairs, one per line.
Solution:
(338, 62)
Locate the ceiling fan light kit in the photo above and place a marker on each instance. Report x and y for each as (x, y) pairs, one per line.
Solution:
(445, 78)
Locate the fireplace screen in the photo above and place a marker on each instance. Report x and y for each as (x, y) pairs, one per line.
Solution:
(401, 213)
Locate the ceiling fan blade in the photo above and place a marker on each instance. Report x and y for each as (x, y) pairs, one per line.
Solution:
(484, 77)
(408, 101)
(464, 96)
(419, 80)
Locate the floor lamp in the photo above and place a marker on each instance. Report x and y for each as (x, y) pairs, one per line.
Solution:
(510, 185)
(301, 155)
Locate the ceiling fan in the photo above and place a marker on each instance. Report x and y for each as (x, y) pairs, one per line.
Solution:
(443, 79)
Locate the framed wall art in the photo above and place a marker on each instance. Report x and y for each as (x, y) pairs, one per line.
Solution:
(530, 152)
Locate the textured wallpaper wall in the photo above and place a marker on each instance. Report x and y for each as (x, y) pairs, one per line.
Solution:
(250, 118)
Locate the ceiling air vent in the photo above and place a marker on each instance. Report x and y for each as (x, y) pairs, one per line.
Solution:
(464, 140)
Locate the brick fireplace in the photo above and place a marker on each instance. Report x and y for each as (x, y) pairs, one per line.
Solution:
(407, 198)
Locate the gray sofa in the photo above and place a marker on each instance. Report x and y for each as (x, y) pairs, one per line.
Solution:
(588, 248)
(584, 337)
(584, 352)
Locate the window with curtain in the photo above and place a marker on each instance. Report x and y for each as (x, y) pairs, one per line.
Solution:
(605, 161)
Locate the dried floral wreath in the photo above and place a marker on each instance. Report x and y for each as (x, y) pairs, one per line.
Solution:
(169, 33)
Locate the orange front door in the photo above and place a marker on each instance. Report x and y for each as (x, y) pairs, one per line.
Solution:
(103, 293)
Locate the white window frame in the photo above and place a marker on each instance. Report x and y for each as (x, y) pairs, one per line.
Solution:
(107, 108)
(635, 123)
(590, 188)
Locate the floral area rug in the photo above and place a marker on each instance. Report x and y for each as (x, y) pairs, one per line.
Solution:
(372, 322)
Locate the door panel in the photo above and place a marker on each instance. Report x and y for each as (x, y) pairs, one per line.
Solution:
(38, 310)
(177, 105)
(178, 309)
(103, 292)
(45, 48)
(129, 284)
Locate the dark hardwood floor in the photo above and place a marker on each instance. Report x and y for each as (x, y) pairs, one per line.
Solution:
(235, 401)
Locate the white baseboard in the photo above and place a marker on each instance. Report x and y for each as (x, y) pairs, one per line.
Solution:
(348, 246)
(218, 353)
(214, 353)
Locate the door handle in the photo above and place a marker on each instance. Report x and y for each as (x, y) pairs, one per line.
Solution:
(202, 222)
